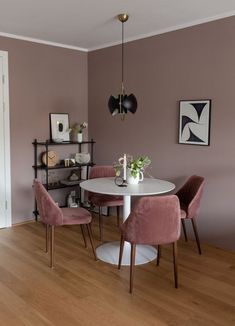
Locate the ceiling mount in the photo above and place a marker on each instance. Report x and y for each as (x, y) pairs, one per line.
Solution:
(123, 17)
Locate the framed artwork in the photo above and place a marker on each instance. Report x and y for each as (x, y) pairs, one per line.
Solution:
(194, 123)
(59, 125)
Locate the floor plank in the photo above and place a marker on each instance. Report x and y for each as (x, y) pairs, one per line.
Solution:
(81, 291)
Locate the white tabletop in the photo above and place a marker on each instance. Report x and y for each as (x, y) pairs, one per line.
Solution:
(146, 187)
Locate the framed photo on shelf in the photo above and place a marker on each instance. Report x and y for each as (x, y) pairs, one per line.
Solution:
(194, 122)
(59, 125)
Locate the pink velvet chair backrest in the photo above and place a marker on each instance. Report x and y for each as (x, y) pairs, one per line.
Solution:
(190, 195)
(153, 220)
(102, 171)
(49, 212)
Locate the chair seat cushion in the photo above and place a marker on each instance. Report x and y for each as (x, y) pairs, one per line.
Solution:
(75, 215)
(183, 213)
(106, 200)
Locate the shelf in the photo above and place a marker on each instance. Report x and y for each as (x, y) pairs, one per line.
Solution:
(38, 149)
(60, 166)
(60, 185)
(50, 143)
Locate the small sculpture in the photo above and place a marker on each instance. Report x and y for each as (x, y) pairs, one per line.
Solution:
(73, 176)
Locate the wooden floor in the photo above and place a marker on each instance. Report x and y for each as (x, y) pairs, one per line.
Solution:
(80, 291)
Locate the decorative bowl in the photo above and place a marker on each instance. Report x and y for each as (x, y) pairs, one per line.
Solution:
(82, 158)
(57, 140)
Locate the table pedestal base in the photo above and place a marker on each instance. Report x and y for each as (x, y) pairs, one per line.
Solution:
(109, 253)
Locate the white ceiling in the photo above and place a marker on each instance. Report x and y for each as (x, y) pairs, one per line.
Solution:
(92, 24)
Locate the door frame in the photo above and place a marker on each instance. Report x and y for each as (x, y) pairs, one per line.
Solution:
(7, 154)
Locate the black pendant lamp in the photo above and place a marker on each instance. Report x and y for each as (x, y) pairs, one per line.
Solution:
(123, 103)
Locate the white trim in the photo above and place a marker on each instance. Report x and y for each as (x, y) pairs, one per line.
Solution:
(130, 39)
(4, 56)
(165, 30)
(35, 40)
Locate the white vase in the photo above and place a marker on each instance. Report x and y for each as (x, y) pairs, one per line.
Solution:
(79, 137)
(131, 180)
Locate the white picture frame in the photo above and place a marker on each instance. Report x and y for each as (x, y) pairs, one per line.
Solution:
(194, 122)
(59, 126)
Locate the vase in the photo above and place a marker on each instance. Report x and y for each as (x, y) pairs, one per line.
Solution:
(79, 137)
(131, 180)
(82, 158)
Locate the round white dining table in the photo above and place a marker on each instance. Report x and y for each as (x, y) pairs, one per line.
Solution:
(109, 251)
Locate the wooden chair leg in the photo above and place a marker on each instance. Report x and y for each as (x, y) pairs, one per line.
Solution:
(118, 216)
(184, 229)
(92, 219)
(121, 252)
(52, 246)
(175, 263)
(47, 237)
(158, 254)
(83, 235)
(133, 250)
(196, 235)
(91, 240)
(101, 224)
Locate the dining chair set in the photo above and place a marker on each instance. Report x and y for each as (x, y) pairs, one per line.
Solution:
(154, 220)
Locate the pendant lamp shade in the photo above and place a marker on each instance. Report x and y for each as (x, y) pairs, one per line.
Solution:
(123, 103)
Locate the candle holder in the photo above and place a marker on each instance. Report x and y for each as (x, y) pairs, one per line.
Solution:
(123, 162)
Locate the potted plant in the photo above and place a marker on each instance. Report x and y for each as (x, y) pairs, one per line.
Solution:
(134, 168)
(78, 128)
(138, 165)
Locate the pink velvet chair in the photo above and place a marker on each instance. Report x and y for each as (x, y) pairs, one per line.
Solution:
(153, 221)
(101, 200)
(52, 215)
(190, 198)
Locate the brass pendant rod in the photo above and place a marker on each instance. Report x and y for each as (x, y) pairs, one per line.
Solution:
(123, 18)
(122, 55)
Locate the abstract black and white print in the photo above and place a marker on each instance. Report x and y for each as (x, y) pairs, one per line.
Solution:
(194, 126)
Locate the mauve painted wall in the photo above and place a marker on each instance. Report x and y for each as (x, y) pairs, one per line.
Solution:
(193, 63)
(42, 79)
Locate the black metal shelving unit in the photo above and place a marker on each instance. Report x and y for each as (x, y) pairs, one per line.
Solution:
(47, 144)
